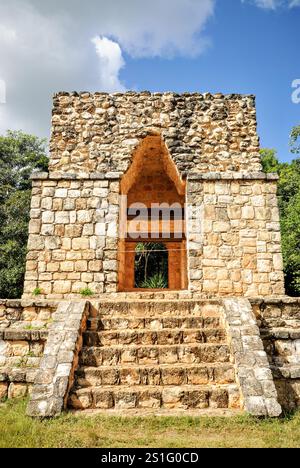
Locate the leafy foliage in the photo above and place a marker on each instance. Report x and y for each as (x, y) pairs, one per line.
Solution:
(37, 292)
(151, 266)
(20, 155)
(295, 140)
(158, 281)
(86, 292)
(289, 205)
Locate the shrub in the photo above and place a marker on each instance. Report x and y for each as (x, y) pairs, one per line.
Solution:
(86, 292)
(157, 281)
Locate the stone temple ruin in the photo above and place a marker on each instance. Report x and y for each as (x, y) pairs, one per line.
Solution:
(182, 172)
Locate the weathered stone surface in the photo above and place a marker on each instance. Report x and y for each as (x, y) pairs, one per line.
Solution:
(232, 213)
(3, 390)
(252, 368)
(17, 390)
(59, 361)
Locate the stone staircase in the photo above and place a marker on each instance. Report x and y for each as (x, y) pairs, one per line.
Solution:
(155, 355)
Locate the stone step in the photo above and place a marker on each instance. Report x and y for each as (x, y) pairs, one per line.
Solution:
(160, 337)
(175, 374)
(286, 371)
(174, 397)
(154, 354)
(153, 308)
(154, 323)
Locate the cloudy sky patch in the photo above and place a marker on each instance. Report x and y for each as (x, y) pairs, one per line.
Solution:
(100, 45)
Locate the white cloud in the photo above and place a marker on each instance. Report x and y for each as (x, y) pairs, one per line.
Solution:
(142, 28)
(161, 28)
(111, 62)
(274, 4)
(268, 4)
(45, 46)
(7, 34)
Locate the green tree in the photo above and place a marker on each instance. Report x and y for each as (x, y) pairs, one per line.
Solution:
(289, 205)
(20, 155)
(294, 140)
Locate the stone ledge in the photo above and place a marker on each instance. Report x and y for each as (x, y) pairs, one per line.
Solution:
(283, 333)
(190, 176)
(11, 302)
(21, 303)
(232, 176)
(10, 334)
(287, 372)
(17, 375)
(87, 94)
(274, 300)
(79, 176)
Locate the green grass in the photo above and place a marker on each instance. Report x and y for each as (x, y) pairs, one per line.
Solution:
(37, 292)
(86, 292)
(17, 430)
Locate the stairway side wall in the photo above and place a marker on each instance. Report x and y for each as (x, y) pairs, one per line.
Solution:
(279, 322)
(23, 334)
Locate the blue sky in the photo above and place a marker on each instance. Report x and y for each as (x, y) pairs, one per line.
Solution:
(229, 46)
(253, 51)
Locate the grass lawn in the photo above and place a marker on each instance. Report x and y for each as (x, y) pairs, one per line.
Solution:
(17, 430)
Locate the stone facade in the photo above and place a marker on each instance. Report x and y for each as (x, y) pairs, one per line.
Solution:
(150, 351)
(73, 237)
(223, 336)
(101, 149)
(203, 132)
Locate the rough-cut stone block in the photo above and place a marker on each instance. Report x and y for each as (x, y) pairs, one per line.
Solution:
(251, 363)
(57, 367)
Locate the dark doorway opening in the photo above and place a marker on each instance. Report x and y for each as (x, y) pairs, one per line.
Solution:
(151, 266)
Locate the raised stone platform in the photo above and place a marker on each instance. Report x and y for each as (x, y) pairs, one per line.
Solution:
(152, 353)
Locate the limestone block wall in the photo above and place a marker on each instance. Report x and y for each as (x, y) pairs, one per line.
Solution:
(73, 236)
(279, 321)
(233, 232)
(234, 242)
(23, 333)
(29, 314)
(233, 235)
(203, 132)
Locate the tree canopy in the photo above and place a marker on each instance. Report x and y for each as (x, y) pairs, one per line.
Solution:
(295, 140)
(289, 205)
(20, 155)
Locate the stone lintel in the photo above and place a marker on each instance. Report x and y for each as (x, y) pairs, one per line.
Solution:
(278, 300)
(207, 95)
(190, 176)
(232, 176)
(79, 176)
